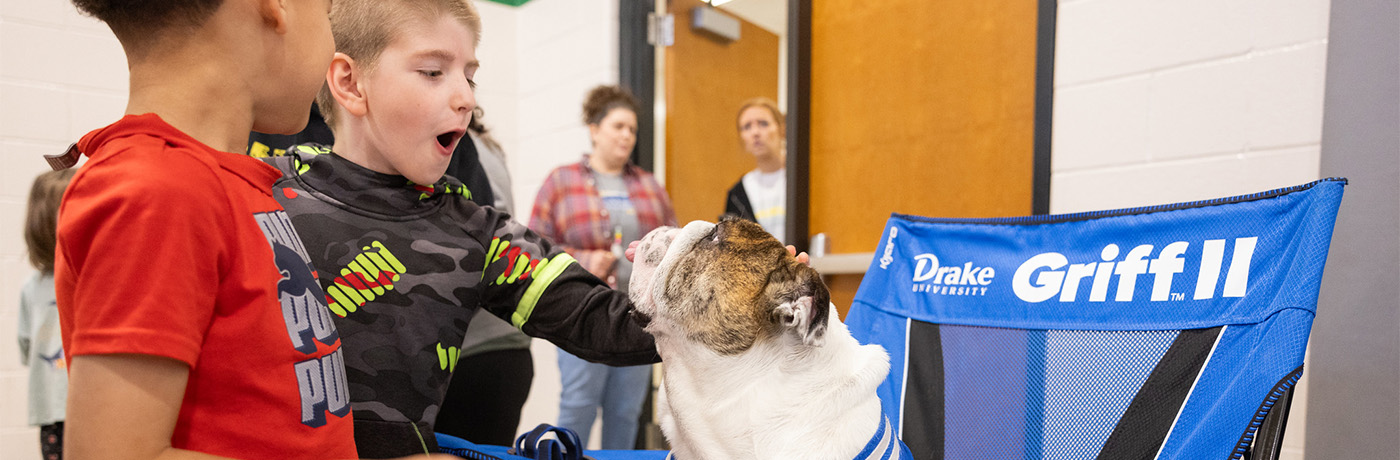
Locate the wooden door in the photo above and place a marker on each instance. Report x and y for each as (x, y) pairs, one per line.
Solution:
(706, 79)
(919, 107)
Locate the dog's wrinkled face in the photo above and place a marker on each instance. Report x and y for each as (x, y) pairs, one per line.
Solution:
(726, 286)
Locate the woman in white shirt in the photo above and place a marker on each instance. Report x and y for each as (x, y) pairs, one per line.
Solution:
(761, 195)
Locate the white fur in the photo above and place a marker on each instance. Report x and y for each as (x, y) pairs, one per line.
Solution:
(780, 399)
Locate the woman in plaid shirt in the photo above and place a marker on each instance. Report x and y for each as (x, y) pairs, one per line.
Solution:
(594, 208)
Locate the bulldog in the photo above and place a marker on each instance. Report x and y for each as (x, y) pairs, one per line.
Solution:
(757, 364)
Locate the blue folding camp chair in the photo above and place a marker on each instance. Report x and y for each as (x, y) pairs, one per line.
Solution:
(1162, 332)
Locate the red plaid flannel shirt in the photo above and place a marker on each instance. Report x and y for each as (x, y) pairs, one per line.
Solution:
(569, 211)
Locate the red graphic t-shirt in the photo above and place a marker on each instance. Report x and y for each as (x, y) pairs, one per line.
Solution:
(170, 248)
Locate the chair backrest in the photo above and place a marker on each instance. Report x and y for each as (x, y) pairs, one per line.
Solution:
(1160, 332)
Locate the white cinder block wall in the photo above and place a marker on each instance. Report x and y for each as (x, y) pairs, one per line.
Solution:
(1160, 102)
(61, 75)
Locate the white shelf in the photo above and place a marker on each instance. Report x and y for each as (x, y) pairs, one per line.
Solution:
(843, 264)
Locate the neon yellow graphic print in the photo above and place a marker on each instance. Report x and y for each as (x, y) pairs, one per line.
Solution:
(364, 279)
(447, 357)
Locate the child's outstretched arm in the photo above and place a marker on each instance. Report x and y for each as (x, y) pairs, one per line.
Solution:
(539, 288)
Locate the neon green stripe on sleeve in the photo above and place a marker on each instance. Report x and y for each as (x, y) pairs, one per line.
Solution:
(545, 273)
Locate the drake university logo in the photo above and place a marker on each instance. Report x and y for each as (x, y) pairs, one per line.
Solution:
(965, 279)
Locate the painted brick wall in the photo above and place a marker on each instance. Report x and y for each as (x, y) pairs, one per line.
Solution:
(61, 75)
(1170, 101)
(496, 79)
(1160, 102)
(565, 48)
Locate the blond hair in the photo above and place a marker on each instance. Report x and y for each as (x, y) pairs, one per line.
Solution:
(363, 28)
(765, 103)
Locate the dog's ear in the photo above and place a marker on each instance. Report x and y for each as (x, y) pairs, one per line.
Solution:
(804, 314)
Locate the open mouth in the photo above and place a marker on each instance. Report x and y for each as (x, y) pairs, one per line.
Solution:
(446, 139)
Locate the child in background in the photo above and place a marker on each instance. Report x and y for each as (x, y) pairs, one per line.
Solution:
(40, 346)
(406, 257)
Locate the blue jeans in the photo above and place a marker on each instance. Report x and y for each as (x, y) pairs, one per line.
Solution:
(620, 392)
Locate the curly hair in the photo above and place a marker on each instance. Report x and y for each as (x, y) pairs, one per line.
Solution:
(137, 20)
(603, 99)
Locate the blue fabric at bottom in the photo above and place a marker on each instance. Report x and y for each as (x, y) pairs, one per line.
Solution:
(627, 454)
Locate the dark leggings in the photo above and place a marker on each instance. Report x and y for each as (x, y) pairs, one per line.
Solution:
(485, 397)
(51, 441)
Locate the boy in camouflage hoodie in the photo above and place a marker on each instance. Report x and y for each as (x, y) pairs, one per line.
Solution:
(405, 257)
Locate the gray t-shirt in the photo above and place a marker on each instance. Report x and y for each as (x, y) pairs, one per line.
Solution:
(623, 217)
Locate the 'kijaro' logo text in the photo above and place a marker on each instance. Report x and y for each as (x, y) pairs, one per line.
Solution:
(888, 258)
(966, 279)
(1046, 275)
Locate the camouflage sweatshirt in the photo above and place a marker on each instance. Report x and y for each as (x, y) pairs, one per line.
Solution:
(405, 266)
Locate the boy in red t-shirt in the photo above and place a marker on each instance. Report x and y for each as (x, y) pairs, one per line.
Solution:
(193, 323)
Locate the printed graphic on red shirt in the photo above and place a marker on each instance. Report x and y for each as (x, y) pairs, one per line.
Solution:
(320, 379)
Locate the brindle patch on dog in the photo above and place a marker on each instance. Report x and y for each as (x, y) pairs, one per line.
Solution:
(725, 289)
